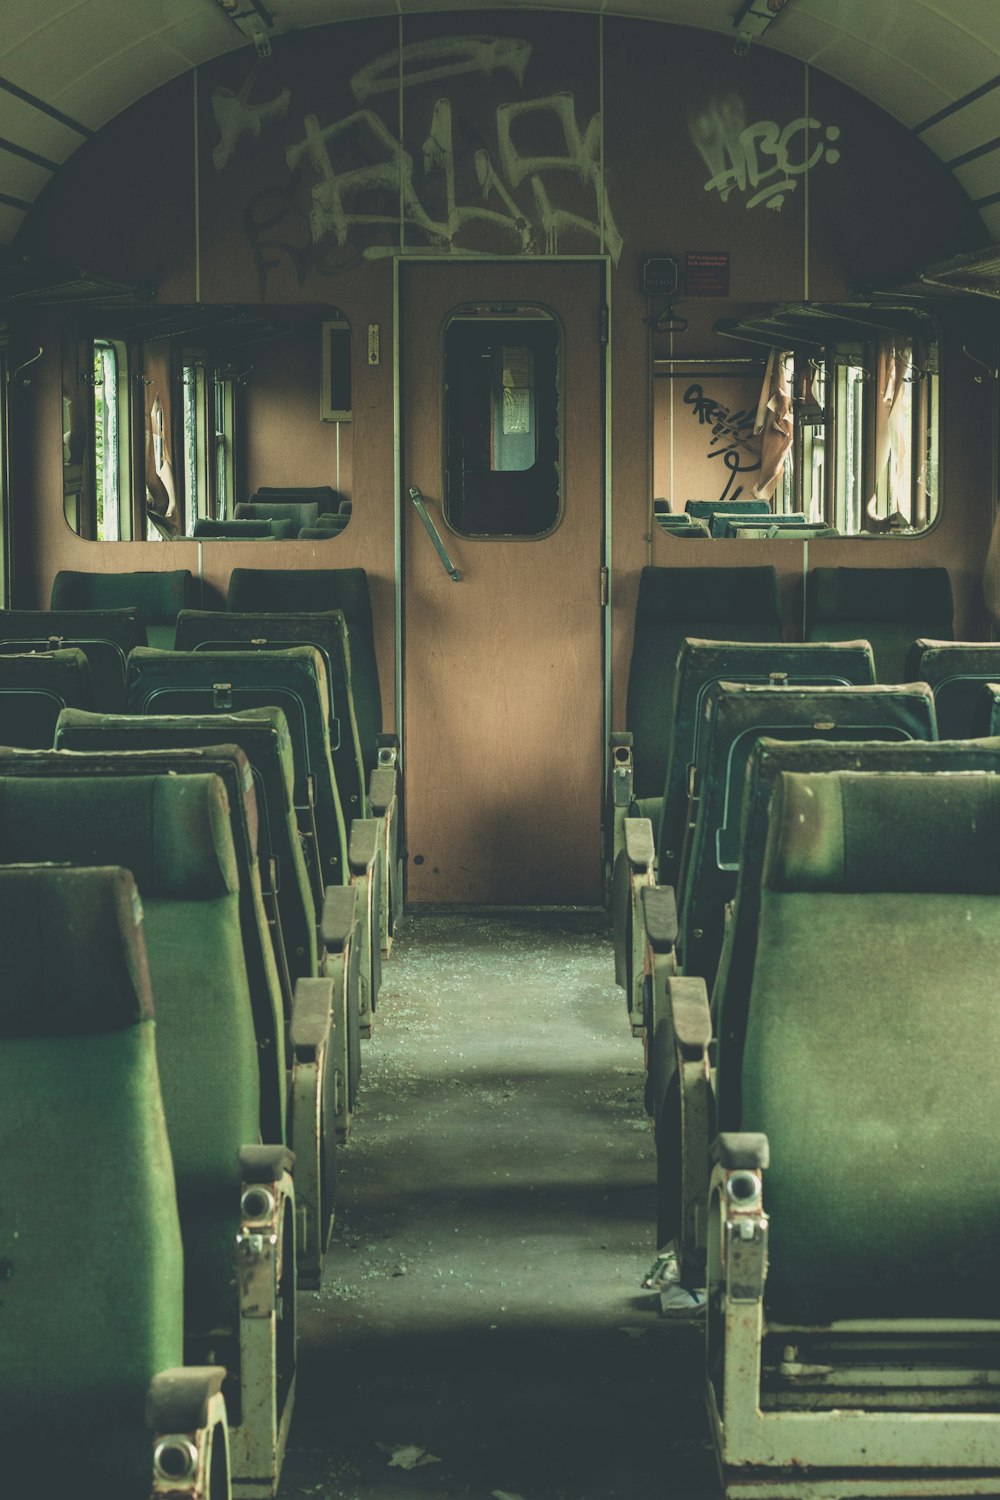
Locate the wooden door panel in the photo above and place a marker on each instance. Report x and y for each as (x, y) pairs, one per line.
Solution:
(503, 687)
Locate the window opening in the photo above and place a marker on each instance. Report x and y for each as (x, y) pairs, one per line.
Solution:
(863, 443)
(110, 426)
(502, 461)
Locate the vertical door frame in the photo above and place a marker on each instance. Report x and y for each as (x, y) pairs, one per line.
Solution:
(526, 261)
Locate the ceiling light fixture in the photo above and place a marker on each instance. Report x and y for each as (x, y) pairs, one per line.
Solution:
(253, 19)
(752, 20)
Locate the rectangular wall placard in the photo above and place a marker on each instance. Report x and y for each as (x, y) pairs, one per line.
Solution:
(706, 273)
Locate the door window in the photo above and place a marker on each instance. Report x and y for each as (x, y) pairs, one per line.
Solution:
(502, 423)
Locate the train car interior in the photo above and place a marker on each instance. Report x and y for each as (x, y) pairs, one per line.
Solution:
(499, 986)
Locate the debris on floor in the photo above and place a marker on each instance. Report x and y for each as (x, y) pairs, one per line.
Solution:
(407, 1455)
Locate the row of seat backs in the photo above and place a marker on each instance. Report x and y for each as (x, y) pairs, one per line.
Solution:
(35, 687)
(81, 1110)
(158, 598)
(869, 1067)
(891, 608)
(292, 679)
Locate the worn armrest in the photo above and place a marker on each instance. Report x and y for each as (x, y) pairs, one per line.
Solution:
(264, 1163)
(659, 915)
(177, 1400)
(382, 790)
(340, 904)
(640, 846)
(363, 845)
(691, 1016)
(742, 1150)
(309, 1030)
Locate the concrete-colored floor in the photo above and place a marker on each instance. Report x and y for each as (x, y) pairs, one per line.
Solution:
(482, 1300)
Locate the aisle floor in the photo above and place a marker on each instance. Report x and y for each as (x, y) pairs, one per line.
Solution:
(482, 1310)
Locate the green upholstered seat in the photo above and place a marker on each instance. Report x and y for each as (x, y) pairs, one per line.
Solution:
(705, 509)
(294, 514)
(247, 530)
(776, 532)
(277, 1002)
(769, 758)
(700, 663)
(326, 526)
(35, 687)
(326, 499)
(88, 1316)
(317, 590)
(230, 764)
(957, 671)
(891, 607)
(203, 630)
(873, 1071)
(723, 522)
(736, 716)
(679, 524)
(714, 603)
(262, 734)
(174, 834)
(157, 596)
(991, 706)
(294, 680)
(104, 636)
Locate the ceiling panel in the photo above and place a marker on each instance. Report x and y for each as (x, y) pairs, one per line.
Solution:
(118, 81)
(968, 128)
(20, 178)
(27, 126)
(51, 59)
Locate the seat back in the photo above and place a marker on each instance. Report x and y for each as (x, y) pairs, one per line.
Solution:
(778, 532)
(680, 525)
(174, 834)
(723, 522)
(249, 530)
(80, 1108)
(327, 500)
(295, 514)
(203, 630)
(157, 596)
(958, 672)
(317, 590)
(701, 663)
(262, 735)
(705, 510)
(294, 680)
(875, 1084)
(714, 603)
(991, 706)
(737, 715)
(229, 763)
(769, 758)
(104, 636)
(891, 607)
(35, 687)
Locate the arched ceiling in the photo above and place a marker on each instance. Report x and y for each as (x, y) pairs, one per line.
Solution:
(69, 66)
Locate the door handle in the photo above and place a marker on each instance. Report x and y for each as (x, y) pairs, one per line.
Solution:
(433, 533)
